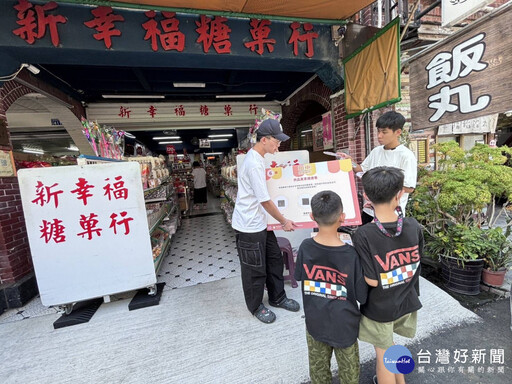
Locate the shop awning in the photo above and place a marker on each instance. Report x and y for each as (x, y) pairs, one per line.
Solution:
(301, 9)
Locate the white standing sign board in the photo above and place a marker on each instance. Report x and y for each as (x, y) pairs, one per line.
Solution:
(88, 230)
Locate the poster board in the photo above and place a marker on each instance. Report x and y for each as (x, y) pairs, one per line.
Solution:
(88, 230)
(292, 188)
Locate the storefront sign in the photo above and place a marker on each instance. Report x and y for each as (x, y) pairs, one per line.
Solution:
(88, 230)
(292, 188)
(327, 130)
(117, 113)
(109, 28)
(466, 76)
(454, 11)
(7, 168)
(485, 124)
(204, 143)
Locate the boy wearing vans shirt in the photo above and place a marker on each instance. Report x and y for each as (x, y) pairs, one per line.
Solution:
(390, 249)
(332, 284)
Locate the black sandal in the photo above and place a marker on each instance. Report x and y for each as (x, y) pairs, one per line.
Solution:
(265, 315)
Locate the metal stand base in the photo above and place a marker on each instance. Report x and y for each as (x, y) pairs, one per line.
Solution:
(82, 312)
(143, 299)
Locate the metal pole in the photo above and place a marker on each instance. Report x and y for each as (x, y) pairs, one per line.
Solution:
(367, 133)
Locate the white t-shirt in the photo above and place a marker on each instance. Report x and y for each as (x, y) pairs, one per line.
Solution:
(249, 215)
(400, 157)
(199, 178)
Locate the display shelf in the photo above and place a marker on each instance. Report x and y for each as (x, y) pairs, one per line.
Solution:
(160, 219)
(165, 248)
(229, 199)
(230, 181)
(86, 160)
(148, 191)
(157, 199)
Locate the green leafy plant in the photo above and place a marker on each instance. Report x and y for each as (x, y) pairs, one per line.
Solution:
(499, 252)
(455, 203)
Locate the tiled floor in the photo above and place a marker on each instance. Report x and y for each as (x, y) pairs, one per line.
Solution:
(202, 250)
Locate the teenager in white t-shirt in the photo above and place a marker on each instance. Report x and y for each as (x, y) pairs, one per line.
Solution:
(261, 261)
(389, 153)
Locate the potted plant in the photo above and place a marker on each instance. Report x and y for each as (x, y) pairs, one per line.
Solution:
(498, 256)
(455, 204)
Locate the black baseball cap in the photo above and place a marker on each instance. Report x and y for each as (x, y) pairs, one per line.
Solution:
(271, 127)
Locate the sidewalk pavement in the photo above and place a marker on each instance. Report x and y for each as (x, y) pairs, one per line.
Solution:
(198, 334)
(483, 339)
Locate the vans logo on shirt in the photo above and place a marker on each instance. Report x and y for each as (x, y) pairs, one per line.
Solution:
(321, 273)
(399, 257)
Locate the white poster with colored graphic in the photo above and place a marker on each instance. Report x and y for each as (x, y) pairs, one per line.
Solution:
(292, 188)
(88, 230)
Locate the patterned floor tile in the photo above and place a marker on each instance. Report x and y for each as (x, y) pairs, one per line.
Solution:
(202, 250)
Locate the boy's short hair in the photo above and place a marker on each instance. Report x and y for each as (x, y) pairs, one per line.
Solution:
(326, 207)
(392, 120)
(382, 184)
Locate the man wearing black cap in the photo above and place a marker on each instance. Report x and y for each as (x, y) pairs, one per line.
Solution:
(261, 260)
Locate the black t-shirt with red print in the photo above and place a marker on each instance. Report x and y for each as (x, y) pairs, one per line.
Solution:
(395, 263)
(332, 283)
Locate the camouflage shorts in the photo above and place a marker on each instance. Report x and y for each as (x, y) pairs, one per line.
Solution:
(320, 362)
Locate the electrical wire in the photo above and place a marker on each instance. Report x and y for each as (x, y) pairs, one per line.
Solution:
(13, 75)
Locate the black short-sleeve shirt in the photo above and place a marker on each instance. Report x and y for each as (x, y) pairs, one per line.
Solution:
(332, 283)
(395, 263)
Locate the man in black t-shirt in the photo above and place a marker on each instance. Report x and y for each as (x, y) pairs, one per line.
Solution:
(390, 249)
(332, 283)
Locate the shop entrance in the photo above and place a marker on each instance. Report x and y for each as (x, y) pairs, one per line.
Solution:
(190, 92)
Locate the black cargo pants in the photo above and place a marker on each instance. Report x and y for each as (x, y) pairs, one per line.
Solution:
(261, 263)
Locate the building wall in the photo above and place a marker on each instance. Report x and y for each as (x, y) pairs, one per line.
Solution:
(15, 259)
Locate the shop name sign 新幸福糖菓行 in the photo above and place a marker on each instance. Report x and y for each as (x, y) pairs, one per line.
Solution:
(113, 28)
(465, 76)
(292, 188)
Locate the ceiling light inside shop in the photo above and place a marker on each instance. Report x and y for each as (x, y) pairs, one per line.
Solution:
(254, 96)
(226, 135)
(128, 134)
(307, 130)
(166, 138)
(33, 150)
(170, 142)
(73, 148)
(189, 85)
(133, 96)
(213, 140)
(213, 153)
